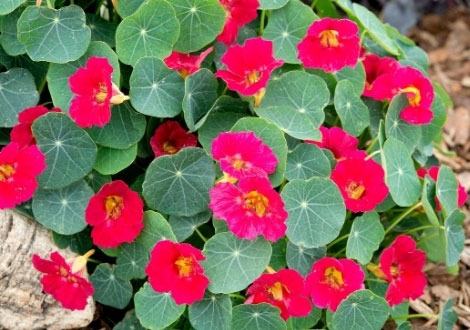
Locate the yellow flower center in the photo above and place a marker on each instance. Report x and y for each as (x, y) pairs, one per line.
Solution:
(184, 73)
(394, 271)
(185, 266)
(355, 190)
(256, 202)
(6, 171)
(413, 94)
(113, 206)
(277, 291)
(329, 38)
(253, 77)
(333, 277)
(168, 147)
(64, 273)
(102, 93)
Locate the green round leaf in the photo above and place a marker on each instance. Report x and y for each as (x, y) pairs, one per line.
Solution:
(156, 310)
(271, 4)
(109, 289)
(257, 317)
(361, 310)
(232, 264)
(278, 256)
(455, 237)
(214, 312)
(273, 137)
(448, 317)
(365, 237)
(183, 227)
(9, 37)
(316, 211)
(124, 130)
(131, 262)
(200, 20)
(96, 180)
(57, 36)
(156, 228)
(223, 104)
(179, 184)
(307, 322)
(286, 27)
(63, 210)
(111, 161)
(356, 75)
(7, 6)
(151, 31)
(17, 92)
(400, 174)
(303, 95)
(126, 8)
(101, 30)
(446, 189)
(58, 74)
(156, 90)
(70, 152)
(129, 322)
(217, 122)
(301, 258)
(79, 243)
(351, 110)
(199, 96)
(399, 129)
(307, 161)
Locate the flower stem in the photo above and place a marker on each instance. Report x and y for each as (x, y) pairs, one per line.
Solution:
(261, 22)
(236, 295)
(339, 252)
(198, 232)
(421, 228)
(414, 316)
(373, 154)
(372, 144)
(402, 216)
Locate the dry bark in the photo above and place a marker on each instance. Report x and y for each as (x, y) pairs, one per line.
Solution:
(23, 304)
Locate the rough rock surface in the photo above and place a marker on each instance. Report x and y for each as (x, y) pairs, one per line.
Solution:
(23, 305)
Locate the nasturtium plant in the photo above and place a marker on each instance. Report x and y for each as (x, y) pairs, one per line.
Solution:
(256, 164)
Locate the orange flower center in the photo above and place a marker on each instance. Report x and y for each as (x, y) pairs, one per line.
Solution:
(413, 94)
(394, 271)
(355, 190)
(185, 266)
(333, 277)
(102, 93)
(277, 291)
(6, 171)
(64, 273)
(253, 77)
(184, 73)
(256, 202)
(113, 206)
(329, 38)
(168, 147)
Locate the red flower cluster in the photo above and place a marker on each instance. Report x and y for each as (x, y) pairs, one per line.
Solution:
(249, 67)
(401, 264)
(186, 64)
(19, 169)
(284, 289)
(386, 78)
(94, 93)
(22, 133)
(433, 172)
(330, 45)
(66, 282)
(333, 280)
(175, 268)
(116, 215)
(238, 13)
(170, 137)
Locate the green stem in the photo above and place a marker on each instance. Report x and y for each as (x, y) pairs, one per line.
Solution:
(363, 34)
(376, 152)
(261, 22)
(339, 252)
(414, 316)
(94, 261)
(100, 3)
(49, 4)
(402, 216)
(198, 232)
(225, 90)
(236, 295)
(378, 280)
(372, 144)
(314, 3)
(420, 228)
(443, 152)
(424, 239)
(340, 239)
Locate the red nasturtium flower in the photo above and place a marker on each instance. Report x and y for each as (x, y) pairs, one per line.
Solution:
(361, 182)
(170, 137)
(238, 13)
(402, 265)
(420, 93)
(21, 132)
(284, 289)
(251, 209)
(94, 93)
(19, 169)
(333, 280)
(433, 172)
(249, 67)
(116, 214)
(175, 268)
(186, 64)
(330, 45)
(66, 282)
(379, 73)
(243, 154)
(339, 142)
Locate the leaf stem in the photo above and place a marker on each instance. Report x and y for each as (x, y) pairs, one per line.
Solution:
(236, 295)
(342, 238)
(402, 216)
(443, 152)
(421, 228)
(376, 152)
(339, 252)
(314, 3)
(49, 4)
(372, 144)
(261, 22)
(198, 232)
(414, 316)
